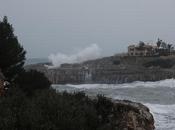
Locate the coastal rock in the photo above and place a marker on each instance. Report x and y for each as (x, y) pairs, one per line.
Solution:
(133, 116)
(110, 70)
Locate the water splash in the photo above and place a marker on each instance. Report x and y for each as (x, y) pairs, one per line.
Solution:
(89, 53)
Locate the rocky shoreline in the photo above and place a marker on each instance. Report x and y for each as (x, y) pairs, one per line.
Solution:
(109, 70)
(132, 116)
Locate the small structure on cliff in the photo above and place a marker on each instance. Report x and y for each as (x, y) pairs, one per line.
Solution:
(159, 49)
(141, 50)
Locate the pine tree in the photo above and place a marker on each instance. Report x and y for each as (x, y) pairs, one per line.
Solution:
(12, 54)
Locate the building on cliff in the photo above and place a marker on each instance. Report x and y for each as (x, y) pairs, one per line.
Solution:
(136, 50)
(143, 49)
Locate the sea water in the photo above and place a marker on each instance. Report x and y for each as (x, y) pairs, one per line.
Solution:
(158, 96)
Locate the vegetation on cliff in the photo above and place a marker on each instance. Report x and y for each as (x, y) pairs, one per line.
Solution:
(162, 63)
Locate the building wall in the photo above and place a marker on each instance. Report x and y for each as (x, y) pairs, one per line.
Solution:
(133, 51)
(145, 51)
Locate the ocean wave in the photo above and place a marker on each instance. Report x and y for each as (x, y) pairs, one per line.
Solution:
(164, 116)
(170, 83)
(160, 101)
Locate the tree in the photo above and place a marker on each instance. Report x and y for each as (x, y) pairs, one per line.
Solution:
(12, 54)
(141, 44)
(169, 47)
(159, 42)
(32, 80)
(164, 45)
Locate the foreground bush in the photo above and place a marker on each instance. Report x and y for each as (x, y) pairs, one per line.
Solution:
(30, 81)
(48, 110)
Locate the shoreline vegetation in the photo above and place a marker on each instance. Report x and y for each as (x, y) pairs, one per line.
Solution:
(29, 103)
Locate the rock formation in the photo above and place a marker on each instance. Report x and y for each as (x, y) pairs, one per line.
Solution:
(132, 116)
(111, 70)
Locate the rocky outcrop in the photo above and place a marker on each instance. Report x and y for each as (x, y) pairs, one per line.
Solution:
(132, 116)
(115, 69)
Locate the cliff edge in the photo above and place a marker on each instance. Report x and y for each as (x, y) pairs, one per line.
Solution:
(111, 70)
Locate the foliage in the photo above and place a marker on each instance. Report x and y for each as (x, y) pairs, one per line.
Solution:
(159, 42)
(164, 45)
(12, 110)
(12, 54)
(48, 110)
(141, 44)
(32, 80)
(104, 107)
(162, 63)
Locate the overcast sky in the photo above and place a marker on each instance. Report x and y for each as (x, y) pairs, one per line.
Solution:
(50, 26)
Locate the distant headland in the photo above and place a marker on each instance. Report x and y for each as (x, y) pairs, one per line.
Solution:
(142, 62)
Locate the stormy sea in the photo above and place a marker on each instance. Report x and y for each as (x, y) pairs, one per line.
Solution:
(158, 96)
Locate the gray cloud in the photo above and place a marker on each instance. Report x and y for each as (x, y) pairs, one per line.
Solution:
(51, 26)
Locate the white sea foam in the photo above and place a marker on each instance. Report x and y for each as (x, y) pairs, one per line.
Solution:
(164, 116)
(170, 83)
(89, 53)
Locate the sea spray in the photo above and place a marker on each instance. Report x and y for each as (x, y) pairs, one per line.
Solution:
(89, 53)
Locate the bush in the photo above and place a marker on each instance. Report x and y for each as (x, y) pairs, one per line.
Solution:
(48, 110)
(104, 107)
(31, 81)
(12, 110)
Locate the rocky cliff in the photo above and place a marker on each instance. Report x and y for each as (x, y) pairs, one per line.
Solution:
(132, 116)
(114, 69)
